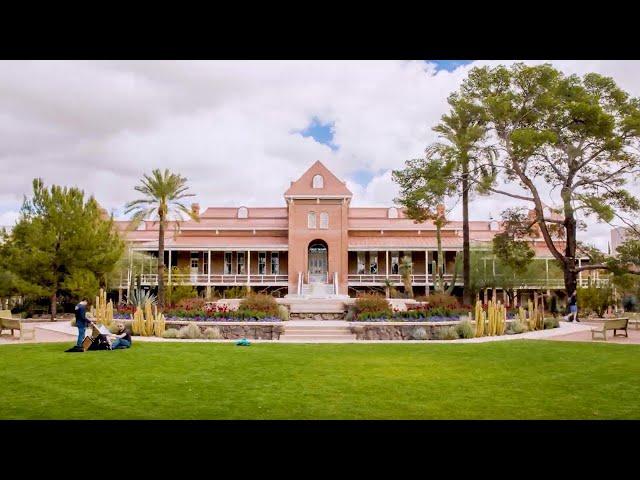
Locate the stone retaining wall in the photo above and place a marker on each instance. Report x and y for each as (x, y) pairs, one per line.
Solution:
(396, 330)
(232, 330)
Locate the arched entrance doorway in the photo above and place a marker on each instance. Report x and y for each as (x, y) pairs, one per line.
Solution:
(318, 261)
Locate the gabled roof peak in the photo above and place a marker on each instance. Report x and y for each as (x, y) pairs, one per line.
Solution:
(318, 180)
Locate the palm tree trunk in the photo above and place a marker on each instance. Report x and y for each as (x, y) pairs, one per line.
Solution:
(54, 305)
(161, 263)
(440, 287)
(466, 256)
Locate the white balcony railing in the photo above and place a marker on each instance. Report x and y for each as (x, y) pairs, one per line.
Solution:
(214, 279)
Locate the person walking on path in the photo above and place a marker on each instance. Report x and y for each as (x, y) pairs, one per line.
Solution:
(573, 308)
(81, 320)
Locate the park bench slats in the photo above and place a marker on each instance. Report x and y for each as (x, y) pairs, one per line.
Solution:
(614, 324)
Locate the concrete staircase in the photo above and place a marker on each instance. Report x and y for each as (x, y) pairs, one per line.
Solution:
(317, 308)
(317, 290)
(317, 332)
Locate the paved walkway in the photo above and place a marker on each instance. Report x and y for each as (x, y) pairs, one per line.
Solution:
(63, 332)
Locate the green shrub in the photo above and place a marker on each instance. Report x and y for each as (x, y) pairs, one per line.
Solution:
(518, 327)
(260, 302)
(419, 333)
(170, 333)
(551, 323)
(236, 292)
(372, 303)
(436, 300)
(596, 300)
(212, 333)
(446, 333)
(190, 331)
(283, 312)
(466, 329)
(374, 315)
(351, 313)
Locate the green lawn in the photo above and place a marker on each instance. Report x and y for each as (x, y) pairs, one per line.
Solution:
(498, 380)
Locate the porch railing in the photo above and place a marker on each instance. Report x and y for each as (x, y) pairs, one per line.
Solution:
(214, 279)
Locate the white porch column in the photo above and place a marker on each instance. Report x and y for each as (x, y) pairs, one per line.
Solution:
(546, 266)
(169, 266)
(426, 272)
(580, 273)
(386, 263)
(248, 267)
(209, 268)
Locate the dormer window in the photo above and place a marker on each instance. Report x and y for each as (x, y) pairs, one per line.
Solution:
(392, 213)
(142, 226)
(493, 226)
(318, 181)
(243, 212)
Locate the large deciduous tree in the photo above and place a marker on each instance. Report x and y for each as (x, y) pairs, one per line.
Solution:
(61, 244)
(568, 141)
(162, 201)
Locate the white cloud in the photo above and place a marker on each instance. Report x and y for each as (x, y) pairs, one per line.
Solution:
(227, 125)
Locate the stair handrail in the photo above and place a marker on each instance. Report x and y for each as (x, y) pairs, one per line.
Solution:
(299, 283)
(335, 283)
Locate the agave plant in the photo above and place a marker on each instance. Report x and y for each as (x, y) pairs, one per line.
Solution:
(139, 298)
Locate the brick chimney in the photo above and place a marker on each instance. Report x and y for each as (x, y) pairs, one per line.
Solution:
(195, 209)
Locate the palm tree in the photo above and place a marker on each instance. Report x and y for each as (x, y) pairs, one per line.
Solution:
(163, 192)
(464, 129)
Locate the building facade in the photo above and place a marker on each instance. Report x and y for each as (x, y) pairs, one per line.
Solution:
(315, 244)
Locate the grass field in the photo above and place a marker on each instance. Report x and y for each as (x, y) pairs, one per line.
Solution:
(498, 380)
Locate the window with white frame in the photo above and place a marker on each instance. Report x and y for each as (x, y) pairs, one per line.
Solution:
(318, 181)
(373, 263)
(275, 263)
(240, 261)
(324, 220)
(243, 212)
(392, 213)
(361, 265)
(311, 220)
(395, 263)
(262, 263)
(228, 269)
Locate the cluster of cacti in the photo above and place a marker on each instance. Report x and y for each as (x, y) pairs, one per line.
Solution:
(138, 325)
(480, 319)
(102, 310)
(149, 322)
(493, 321)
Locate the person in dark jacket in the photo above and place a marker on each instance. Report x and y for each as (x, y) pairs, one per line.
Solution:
(573, 307)
(81, 320)
(122, 338)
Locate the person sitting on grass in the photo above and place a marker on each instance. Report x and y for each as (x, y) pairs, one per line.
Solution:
(122, 338)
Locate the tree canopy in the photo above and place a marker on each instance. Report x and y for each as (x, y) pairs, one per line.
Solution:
(62, 244)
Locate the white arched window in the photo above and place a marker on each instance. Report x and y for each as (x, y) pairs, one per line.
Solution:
(392, 213)
(243, 212)
(324, 220)
(311, 220)
(493, 225)
(318, 181)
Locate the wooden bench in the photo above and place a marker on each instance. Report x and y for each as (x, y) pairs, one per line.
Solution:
(613, 324)
(7, 322)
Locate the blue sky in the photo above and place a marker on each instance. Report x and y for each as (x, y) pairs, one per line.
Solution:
(449, 65)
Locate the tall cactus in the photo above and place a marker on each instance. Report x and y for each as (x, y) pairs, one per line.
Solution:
(149, 317)
(138, 326)
(479, 317)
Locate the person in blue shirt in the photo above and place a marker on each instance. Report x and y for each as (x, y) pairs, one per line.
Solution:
(81, 320)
